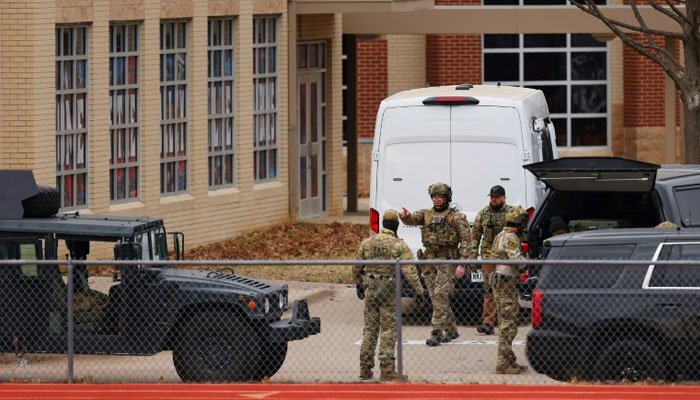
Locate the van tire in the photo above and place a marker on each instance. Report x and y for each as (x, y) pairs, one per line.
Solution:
(43, 204)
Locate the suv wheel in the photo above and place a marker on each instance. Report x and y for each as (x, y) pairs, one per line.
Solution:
(217, 346)
(629, 360)
(271, 359)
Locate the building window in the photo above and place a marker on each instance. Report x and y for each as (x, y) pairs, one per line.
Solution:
(173, 107)
(221, 103)
(123, 112)
(571, 70)
(265, 98)
(71, 115)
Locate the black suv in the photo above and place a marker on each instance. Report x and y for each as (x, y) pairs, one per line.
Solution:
(609, 192)
(618, 320)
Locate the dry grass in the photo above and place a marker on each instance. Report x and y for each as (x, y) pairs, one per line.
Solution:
(302, 241)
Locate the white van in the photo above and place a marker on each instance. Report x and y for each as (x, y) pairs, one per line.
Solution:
(471, 137)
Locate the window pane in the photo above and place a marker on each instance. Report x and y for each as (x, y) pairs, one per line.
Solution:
(544, 40)
(589, 131)
(501, 67)
(556, 97)
(585, 40)
(588, 66)
(545, 66)
(561, 131)
(588, 99)
(501, 41)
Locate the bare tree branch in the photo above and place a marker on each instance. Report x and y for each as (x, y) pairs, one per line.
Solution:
(674, 12)
(589, 7)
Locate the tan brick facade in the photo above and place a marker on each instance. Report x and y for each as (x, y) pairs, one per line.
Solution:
(28, 110)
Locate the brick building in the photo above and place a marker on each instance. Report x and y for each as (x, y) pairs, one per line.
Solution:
(227, 115)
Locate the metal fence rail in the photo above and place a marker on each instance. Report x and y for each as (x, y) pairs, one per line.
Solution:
(168, 321)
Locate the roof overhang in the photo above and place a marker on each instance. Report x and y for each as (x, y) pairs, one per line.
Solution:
(364, 6)
(497, 19)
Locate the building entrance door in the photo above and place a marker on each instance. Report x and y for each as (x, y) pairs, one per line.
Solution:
(311, 131)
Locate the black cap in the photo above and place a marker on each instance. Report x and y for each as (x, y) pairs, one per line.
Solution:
(497, 191)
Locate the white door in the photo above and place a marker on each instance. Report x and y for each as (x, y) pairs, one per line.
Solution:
(310, 143)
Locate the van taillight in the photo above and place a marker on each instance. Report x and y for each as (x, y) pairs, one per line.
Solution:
(451, 101)
(530, 211)
(537, 296)
(374, 220)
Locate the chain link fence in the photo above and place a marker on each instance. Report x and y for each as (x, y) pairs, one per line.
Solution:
(120, 321)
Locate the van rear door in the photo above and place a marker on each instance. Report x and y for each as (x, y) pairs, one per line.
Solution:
(486, 151)
(414, 146)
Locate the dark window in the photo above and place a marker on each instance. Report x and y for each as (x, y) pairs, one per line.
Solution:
(501, 67)
(585, 40)
(688, 200)
(556, 97)
(588, 131)
(4, 252)
(588, 66)
(549, 66)
(545, 40)
(586, 276)
(588, 99)
(561, 130)
(677, 275)
(501, 41)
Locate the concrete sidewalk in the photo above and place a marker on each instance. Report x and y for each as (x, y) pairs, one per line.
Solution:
(361, 216)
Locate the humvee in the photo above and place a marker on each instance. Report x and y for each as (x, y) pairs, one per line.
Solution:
(220, 326)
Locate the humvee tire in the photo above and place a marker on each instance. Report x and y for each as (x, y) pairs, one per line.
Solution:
(217, 346)
(271, 359)
(43, 204)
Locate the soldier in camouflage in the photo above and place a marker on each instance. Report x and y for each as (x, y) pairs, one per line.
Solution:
(488, 223)
(445, 235)
(377, 286)
(506, 246)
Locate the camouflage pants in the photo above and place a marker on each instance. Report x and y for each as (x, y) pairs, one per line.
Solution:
(506, 294)
(488, 313)
(380, 322)
(441, 285)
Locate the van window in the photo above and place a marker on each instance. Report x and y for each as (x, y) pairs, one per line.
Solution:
(545, 137)
(688, 201)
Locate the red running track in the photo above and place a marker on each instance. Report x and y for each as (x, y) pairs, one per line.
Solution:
(343, 391)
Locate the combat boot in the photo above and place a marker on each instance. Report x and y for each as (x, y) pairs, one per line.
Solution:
(512, 369)
(391, 375)
(366, 374)
(435, 339)
(450, 336)
(485, 329)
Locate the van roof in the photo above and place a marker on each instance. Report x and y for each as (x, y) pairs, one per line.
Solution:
(482, 92)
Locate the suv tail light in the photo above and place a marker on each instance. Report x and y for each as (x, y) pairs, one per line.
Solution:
(525, 247)
(373, 220)
(524, 276)
(537, 296)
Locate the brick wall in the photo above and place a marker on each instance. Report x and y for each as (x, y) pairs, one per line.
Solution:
(453, 59)
(644, 89)
(371, 83)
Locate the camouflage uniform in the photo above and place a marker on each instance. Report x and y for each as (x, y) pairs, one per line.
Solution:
(506, 246)
(445, 235)
(380, 296)
(487, 225)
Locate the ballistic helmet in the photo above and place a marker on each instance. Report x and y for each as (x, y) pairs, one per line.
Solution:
(516, 217)
(440, 188)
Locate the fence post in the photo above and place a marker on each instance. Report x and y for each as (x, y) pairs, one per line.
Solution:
(399, 322)
(69, 322)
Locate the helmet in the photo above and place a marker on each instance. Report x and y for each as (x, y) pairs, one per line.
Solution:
(516, 217)
(390, 215)
(440, 188)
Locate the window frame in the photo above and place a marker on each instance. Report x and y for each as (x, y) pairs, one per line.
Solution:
(651, 268)
(268, 113)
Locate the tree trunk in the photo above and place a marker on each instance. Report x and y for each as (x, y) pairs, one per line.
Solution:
(691, 132)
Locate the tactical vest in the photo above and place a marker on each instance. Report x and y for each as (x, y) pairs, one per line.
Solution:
(380, 248)
(492, 224)
(438, 235)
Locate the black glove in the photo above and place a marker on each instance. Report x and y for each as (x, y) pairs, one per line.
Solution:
(360, 291)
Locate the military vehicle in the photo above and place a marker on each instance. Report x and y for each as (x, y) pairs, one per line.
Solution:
(219, 326)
